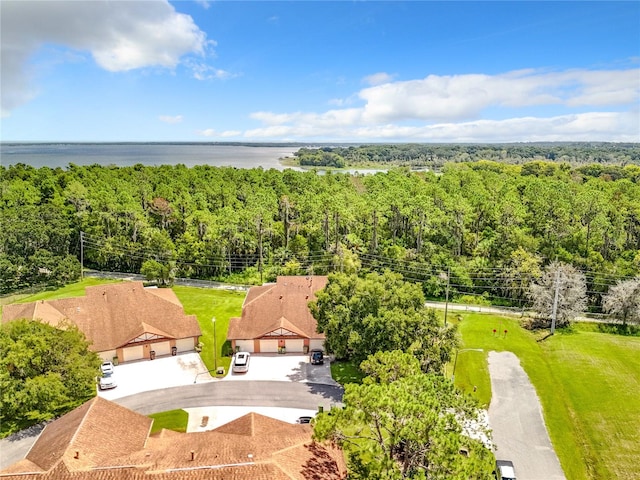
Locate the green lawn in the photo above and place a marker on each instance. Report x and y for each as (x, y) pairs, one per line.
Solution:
(588, 383)
(345, 372)
(172, 420)
(206, 303)
(71, 290)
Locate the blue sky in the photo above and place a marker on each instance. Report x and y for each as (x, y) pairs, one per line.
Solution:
(320, 71)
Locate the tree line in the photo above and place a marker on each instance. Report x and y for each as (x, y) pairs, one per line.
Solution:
(481, 228)
(608, 157)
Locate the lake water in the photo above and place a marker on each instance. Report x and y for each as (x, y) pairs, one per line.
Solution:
(55, 155)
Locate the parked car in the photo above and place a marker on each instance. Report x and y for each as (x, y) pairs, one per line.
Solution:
(241, 362)
(106, 368)
(505, 470)
(316, 357)
(107, 381)
(304, 420)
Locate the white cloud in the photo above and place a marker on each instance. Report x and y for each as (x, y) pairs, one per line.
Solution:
(202, 71)
(462, 97)
(210, 132)
(378, 78)
(451, 109)
(120, 36)
(204, 3)
(594, 126)
(169, 119)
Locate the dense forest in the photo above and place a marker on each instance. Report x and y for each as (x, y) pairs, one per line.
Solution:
(435, 156)
(481, 228)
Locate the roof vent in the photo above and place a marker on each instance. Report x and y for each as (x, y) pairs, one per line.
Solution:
(193, 455)
(280, 297)
(77, 455)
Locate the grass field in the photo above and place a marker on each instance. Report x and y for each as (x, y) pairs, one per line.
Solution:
(206, 304)
(176, 420)
(71, 290)
(345, 372)
(588, 383)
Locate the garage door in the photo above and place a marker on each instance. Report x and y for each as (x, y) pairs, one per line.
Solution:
(269, 346)
(316, 344)
(132, 353)
(108, 355)
(185, 344)
(294, 345)
(244, 345)
(161, 348)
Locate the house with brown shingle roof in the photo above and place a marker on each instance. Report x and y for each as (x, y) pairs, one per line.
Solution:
(101, 440)
(123, 320)
(276, 317)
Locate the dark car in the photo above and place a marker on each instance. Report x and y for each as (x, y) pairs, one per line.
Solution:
(316, 357)
(304, 420)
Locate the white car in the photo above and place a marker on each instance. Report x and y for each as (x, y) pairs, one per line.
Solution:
(107, 381)
(106, 368)
(241, 362)
(505, 470)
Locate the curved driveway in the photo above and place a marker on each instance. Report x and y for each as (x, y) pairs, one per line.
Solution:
(516, 419)
(257, 393)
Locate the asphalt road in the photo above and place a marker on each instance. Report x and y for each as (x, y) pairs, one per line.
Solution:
(257, 393)
(516, 419)
(247, 393)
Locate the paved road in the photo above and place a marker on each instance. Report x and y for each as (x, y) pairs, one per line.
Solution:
(515, 416)
(510, 311)
(248, 393)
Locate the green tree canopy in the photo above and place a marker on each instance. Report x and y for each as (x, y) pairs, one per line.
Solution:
(408, 427)
(44, 372)
(361, 316)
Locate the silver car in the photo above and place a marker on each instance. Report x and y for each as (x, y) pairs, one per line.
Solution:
(241, 362)
(107, 381)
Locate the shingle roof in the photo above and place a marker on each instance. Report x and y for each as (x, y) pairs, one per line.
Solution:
(113, 444)
(92, 433)
(283, 304)
(112, 315)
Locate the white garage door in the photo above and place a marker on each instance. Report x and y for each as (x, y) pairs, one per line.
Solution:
(161, 348)
(244, 345)
(185, 344)
(316, 344)
(108, 355)
(132, 353)
(294, 345)
(269, 346)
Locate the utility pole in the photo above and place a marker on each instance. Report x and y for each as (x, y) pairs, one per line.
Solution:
(446, 301)
(260, 246)
(81, 256)
(554, 312)
(215, 347)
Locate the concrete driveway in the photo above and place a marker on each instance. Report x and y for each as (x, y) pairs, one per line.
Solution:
(285, 368)
(208, 418)
(515, 415)
(163, 372)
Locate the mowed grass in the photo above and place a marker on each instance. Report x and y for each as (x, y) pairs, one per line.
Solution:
(176, 420)
(72, 290)
(588, 383)
(205, 304)
(345, 372)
